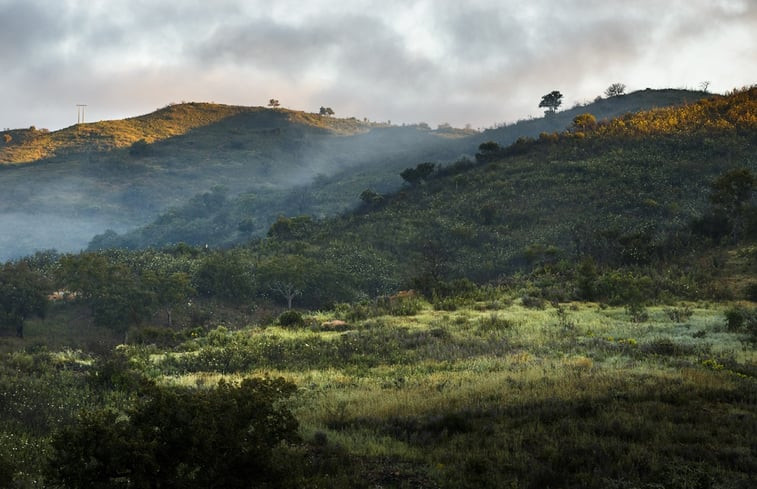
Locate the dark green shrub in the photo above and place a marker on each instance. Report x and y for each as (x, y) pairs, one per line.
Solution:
(679, 314)
(669, 348)
(6, 471)
(290, 319)
(445, 304)
(742, 320)
(638, 312)
(223, 437)
(750, 292)
(586, 281)
(533, 302)
(163, 337)
(493, 322)
(735, 318)
(115, 371)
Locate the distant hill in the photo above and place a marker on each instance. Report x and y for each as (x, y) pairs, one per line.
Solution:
(61, 188)
(369, 158)
(29, 145)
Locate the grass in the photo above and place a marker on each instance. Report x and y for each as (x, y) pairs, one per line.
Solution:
(577, 395)
(551, 398)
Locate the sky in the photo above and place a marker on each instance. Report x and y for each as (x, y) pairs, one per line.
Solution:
(477, 62)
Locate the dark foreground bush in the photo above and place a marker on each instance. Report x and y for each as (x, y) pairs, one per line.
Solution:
(180, 438)
(290, 319)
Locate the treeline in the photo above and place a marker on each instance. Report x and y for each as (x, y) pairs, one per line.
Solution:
(311, 264)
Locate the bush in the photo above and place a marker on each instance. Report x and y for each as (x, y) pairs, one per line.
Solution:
(750, 292)
(735, 319)
(638, 312)
(533, 302)
(742, 320)
(446, 304)
(493, 323)
(290, 319)
(679, 314)
(162, 337)
(6, 472)
(171, 438)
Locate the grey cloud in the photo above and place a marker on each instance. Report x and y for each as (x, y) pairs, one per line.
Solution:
(264, 44)
(490, 58)
(27, 30)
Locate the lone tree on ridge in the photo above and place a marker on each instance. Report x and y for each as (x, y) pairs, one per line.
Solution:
(551, 101)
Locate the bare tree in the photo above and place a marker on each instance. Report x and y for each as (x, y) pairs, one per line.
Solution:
(615, 89)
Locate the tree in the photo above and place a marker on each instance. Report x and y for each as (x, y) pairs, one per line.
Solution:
(225, 275)
(114, 293)
(168, 290)
(285, 275)
(414, 176)
(180, 438)
(273, 103)
(488, 151)
(326, 111)
(551, 101)
(371, 197)
(615, 89)
(23, 293)
(731, 194)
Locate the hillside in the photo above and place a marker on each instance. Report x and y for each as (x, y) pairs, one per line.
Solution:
(121, 174)
(371, 160)
(627, 193)
(30, 145)
(582, 315)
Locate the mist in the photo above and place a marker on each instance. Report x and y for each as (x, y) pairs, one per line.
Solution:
(23, 234)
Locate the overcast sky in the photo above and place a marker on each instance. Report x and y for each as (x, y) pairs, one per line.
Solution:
(481, 62)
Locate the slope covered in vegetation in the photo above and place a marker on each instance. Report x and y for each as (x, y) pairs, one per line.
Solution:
(237, 219)
(583, 317)
(120, 174)
(611, 195)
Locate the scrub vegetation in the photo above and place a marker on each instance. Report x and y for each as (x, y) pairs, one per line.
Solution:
(576, 309)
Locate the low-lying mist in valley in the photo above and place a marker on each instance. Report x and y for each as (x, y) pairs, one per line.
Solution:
(23, 234)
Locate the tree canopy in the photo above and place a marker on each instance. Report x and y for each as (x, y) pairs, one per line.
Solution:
(180, 438)
(551, 101)
(23, 293)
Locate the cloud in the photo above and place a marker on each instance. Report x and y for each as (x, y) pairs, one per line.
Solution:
(480, 61)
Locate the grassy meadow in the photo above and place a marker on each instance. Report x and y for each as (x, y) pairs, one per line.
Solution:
(496, 394)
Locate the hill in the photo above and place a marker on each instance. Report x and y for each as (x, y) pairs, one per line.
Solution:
(121, 174)
(609, 340)
(630, 192)
(369, 160)
(30, 145)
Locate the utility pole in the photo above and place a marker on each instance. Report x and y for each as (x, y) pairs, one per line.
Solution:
(80, 113)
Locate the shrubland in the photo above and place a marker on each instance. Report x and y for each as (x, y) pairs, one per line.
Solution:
(575, 310)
